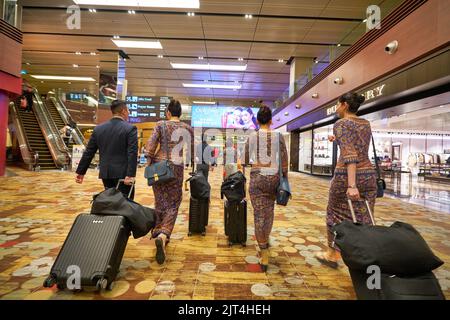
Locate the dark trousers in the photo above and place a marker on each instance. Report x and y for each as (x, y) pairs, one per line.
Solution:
(112, 183)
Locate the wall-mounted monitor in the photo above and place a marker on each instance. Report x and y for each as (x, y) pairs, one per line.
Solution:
(147, 109)
(224, 117)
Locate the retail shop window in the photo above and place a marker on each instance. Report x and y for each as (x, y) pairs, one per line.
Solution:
(305, 151)
(322, 151)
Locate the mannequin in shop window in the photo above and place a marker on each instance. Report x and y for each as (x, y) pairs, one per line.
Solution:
(354, 176)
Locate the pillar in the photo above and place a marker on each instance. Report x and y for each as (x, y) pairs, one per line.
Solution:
(4, 102)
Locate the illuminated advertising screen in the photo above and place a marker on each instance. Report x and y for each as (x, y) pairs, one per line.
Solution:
(147, 109)
(224, 117)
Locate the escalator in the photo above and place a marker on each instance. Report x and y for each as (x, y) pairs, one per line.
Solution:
(36, 139)
(60, 123)
(41, 146)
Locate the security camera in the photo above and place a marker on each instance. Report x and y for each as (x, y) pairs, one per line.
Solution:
(391, 47)
(338, 80)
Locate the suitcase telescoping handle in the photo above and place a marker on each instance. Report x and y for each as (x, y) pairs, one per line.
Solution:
(350, 204)
(131, 189)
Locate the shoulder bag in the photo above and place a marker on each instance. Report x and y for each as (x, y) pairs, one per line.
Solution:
(381, 184)
(284, 189)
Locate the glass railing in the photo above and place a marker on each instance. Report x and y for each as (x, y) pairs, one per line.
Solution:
(55, 143)
(334, 52)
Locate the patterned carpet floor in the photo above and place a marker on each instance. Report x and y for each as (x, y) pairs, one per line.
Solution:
(38, 209)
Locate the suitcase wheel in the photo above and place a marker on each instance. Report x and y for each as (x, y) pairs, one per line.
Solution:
(101, 284)
(49, 282)
(110, 286)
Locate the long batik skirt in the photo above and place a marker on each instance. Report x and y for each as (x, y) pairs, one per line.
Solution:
(338, 209)
(168, 198)
(262, 192)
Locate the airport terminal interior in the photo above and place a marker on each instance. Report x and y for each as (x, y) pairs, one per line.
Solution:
(63, 62)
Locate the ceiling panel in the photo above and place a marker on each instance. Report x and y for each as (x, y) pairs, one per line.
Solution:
(272, 51)
(183, 48)
(309, 8)
(291, 30)
(228, 49)
(329, 31)
(232, 28)
(180, 26)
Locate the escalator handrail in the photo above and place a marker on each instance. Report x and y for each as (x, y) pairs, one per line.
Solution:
(30, 157)
(65, 115)
(57, 147)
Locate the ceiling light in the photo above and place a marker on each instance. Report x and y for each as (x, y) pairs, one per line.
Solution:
(75, 65)
(116, 37)
(28, 63)
(194, 4)
(160, 56)
(365, 20)
(93, 54)
(69, 82)
(98, 67)
(131, 12)
(63, 78)
(240, 59)
(208, 67)
(92, 10)
(315, 96)
(191, 14)
(138, 44)
(200, 58)
(78, 53)
(316, 61)
(280, 60)
(204, 102)
(248, 16)
(211, 86)
(338, 44)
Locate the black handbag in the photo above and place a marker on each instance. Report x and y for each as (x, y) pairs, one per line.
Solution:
(162, 171)
(111, 202)
(381, 184)
(283, 189)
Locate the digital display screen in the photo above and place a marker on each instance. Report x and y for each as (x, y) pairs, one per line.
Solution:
(147, 109)
(224, 117)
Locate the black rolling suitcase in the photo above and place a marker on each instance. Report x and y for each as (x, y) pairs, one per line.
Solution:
(236, 222)
(94, 249)
(199, 201)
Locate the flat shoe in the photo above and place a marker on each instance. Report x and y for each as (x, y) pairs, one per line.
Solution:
(332, 264)
(160, 254)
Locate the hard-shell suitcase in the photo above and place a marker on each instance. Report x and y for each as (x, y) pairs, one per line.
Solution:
(421, 287)
(391, 287)
(198, 215)
(236, 222)
(92, 251)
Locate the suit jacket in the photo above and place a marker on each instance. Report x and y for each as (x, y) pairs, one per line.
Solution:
(117, 143)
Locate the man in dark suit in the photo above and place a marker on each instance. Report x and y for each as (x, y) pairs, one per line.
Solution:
(117, 143)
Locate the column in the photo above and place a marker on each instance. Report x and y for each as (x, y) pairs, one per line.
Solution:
(298, 67)
(4, 102)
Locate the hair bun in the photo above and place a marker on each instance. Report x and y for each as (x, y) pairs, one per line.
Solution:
(361, 98)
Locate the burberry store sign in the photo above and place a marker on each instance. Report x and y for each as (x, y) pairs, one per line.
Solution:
(369, 94)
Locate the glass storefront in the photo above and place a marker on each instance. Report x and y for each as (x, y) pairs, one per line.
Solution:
(316, 152)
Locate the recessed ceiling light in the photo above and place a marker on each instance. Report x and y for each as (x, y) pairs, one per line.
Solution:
(191, 14)
(78, 53)
(92, 10)
(208, 67)
(28, 63)
(204, 102)
(248, 16)
(280, 60)
(338, 44)
(193, 4)
(137, 44)
(116, 37)
(63, 78)
(131, 12)
(98, 67)
(240, 59)
(160, 56)
(211, 86)
(93, 53)
(75, 65)
(365, 20)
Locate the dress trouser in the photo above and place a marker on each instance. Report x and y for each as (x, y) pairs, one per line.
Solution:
(112, 183)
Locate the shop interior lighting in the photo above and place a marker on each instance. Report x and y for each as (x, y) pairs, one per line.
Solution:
(62, 78)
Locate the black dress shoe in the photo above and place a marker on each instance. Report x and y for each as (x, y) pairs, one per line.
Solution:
(160, 254)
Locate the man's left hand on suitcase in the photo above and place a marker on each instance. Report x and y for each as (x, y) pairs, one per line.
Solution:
(128, 181)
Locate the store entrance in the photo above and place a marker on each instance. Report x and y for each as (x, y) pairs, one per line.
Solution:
(413, 149)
